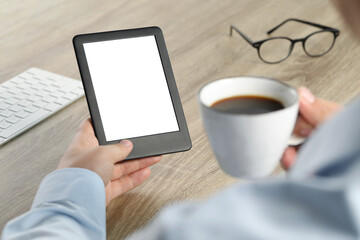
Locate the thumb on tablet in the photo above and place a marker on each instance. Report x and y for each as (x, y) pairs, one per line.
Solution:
(117, 152)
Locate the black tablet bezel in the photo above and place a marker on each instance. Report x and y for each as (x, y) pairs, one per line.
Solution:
(144, 146)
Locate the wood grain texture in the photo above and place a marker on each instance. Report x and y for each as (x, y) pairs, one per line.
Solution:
(38, 33)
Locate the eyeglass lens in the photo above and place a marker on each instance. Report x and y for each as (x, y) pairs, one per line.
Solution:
(275, 50)
(319, 43)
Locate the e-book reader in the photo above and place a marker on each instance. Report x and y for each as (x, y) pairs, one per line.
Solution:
(131, 91)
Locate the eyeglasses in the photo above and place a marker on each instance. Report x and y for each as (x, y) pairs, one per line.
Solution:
(277, 49)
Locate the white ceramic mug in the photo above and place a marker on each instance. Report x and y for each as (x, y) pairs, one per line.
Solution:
(248, 145)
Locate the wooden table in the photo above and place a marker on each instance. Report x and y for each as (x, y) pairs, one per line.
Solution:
(38, 34)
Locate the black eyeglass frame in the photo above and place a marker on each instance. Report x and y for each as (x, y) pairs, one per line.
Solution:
(257, 44)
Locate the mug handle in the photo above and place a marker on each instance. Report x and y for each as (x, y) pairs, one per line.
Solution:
(295, 141)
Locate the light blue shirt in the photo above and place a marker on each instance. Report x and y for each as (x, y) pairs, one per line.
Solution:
(319, 199)
(70, 204)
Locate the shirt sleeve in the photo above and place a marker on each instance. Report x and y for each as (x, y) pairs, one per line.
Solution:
(319, 199)
(70, 204)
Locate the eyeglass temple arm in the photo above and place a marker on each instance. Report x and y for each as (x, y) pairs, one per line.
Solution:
(300, 21)
(241, 34)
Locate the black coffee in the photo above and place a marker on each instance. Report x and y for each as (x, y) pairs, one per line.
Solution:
(248, 104)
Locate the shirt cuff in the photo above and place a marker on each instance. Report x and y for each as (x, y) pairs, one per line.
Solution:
(80, 186)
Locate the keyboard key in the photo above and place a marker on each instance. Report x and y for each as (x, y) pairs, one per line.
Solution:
(34, 98)
(11, 101)
(15, 108)
(70, 96)
(22, 86)
(27, 84)
(49, 99)
(59, 84)
(15, 90)
(31, 81)
(71, 86)
(31, 109)
(51, 79)
(4, 124)
(22, 114)
(13, 119)
(4, 105)
(2, 91)
(30, 91)
(6, 113)
(5, 95)
(42, 93)
(50, 89)
(52, 107)
(21, 96)
(8, 85)
(37, 86)
(30, 72)
(57, 94)
(17, 80)
(40, 104)
(77, 91)
(24, 103)
(45, 82)
(61, 101)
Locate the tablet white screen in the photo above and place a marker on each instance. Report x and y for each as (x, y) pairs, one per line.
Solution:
(130, 88)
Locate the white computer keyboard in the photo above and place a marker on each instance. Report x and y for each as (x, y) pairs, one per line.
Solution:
(31, 97)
